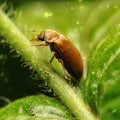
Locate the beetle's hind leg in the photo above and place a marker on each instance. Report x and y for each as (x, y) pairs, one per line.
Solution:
(61, 61)
(54, 53)
(64, 72)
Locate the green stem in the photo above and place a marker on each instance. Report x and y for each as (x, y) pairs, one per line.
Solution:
(67, 93)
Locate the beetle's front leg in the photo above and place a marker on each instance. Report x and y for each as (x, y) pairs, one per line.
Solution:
(64, 72)
(46, 44)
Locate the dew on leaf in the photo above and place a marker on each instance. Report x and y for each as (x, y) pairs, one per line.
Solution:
(30, 68)
(77, 22)
(79, 0)
(48, 14)
(93, 72)
(108, 6)
(72, 8)
(17, 52)
(115, 110)
(81, 7)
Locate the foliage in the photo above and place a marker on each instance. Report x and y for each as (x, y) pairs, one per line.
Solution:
(93, 27)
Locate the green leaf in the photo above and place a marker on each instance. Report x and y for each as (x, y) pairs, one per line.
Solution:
(102, 84)
(99, 25)
(91, 26)
(111, 110)
(35, 108)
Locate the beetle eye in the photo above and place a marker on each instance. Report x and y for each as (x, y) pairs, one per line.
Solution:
(41, 37)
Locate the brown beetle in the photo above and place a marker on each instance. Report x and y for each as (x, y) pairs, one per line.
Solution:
(63, 49)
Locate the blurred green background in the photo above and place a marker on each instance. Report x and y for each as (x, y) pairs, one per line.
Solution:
(85, 22)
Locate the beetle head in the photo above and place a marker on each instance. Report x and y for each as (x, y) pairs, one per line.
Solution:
(48, 36)
(41, 36)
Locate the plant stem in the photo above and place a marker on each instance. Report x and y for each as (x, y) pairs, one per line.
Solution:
(67, 93)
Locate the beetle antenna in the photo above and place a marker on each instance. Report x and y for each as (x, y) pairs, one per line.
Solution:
(32, 30)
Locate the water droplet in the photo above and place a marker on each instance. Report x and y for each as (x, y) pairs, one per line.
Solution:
(108, 6)
(81, 7)
(93, 72)
(72, 8)
(77, 22)
(48, 14)
(79, 0)
(100, 75)
(114, 111)
(17, 52)
(30, 68)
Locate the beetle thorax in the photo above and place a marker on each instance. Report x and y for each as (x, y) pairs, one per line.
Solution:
(51, 36)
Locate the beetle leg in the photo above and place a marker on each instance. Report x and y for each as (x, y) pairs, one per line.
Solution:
(34, 39)
(64, 72)
(52, 57)
(46, 44)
